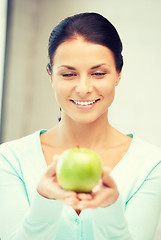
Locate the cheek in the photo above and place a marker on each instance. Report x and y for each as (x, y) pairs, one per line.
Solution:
(61, 92)
(109, 93)
(58, 95)
(57, 91)
(108, 89)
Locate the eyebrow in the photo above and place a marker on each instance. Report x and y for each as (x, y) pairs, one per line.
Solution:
(72, 68)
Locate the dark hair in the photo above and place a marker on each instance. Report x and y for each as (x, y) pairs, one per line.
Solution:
(94, 28)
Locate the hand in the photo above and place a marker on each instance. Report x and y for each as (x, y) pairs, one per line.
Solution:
(48, 186)
(103, 195)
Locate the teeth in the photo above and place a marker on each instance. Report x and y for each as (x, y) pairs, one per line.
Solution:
(84, 103)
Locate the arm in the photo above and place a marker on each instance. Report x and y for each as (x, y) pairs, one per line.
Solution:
(138, 221)
(143, 209)
(19, 220)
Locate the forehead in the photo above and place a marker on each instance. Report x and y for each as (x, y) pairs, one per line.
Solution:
(78, 51)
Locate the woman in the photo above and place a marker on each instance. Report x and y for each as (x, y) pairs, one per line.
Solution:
(85, 67)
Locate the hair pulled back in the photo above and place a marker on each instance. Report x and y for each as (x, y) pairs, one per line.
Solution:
(94, 28)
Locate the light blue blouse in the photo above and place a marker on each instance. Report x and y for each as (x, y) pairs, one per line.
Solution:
(25, 215)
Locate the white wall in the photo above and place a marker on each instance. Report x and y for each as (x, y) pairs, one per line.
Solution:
(3, 25)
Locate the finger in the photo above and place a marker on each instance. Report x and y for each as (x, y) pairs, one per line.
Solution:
(55, 190)
(66, 194)
(106, 170)
(71, 201)
(85, 196)
(99, 198)
(97, 187)
(63, 193)
(107, 180)
(51, 170)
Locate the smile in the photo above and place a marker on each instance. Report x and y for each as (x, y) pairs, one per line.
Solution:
(85, 103)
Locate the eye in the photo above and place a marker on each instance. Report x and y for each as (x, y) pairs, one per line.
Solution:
(99, 74)
(69, 74)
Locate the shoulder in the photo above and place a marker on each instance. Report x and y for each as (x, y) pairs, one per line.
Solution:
(144, 160)
(146, 151)
(19, 146)
(140, 161)
(13, 153)
(141, 164)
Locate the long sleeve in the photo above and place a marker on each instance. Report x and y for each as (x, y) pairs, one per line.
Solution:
(25, 215)
(110, 222)
(21, 219)
(138, 218)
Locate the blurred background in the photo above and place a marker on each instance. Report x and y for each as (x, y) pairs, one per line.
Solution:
(27, 99)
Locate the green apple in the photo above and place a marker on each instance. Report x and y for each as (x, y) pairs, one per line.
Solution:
(79, 169)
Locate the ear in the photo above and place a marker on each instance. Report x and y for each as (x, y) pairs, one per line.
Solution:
(118, 78)
(52, 81)
(49, 70)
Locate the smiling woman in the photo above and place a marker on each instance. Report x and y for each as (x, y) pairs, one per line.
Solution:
(85, 53)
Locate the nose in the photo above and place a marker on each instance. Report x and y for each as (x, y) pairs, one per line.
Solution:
(84, 86)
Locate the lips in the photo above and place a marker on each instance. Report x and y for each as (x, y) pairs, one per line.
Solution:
(84, 102)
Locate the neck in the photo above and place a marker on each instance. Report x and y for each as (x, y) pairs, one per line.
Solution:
(90, 135)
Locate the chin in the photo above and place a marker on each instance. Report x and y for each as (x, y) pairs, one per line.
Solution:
(85, 119)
